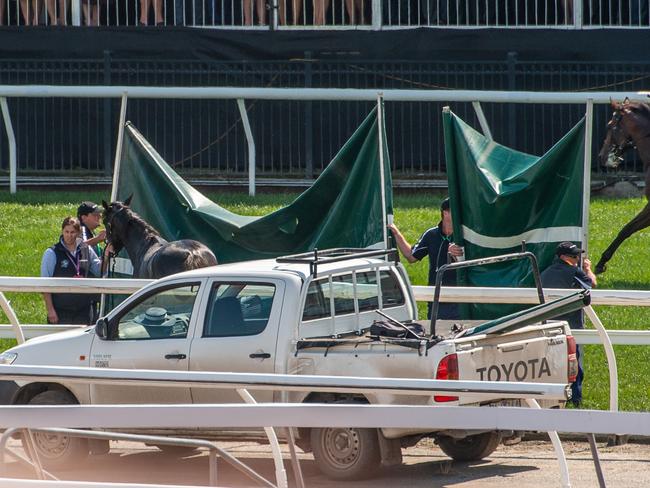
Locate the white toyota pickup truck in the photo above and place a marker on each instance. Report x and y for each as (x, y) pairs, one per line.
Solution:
(307, 314)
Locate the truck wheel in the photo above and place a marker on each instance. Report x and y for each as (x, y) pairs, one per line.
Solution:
(346, 453)
(55, 450)
(470, 448)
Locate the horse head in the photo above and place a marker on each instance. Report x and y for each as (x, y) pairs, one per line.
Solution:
(115, 222)
(620, 132)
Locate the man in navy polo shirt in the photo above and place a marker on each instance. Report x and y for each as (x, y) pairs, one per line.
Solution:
(436, 243)
(565, 272)
(90, 215)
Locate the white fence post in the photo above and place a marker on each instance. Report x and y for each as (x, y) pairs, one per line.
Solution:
(251, 146)
(611, 357)
(118, 147)
(485, 127)
(559, 450)
(280, 472)
(586, 185)
(76, 12)
(11, 139)
(377, 14)
(9, 312)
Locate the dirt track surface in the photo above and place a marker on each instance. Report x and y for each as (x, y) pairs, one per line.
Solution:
(528, 464)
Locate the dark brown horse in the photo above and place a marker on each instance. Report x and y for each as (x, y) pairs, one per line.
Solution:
(151, 255)
(628, 128)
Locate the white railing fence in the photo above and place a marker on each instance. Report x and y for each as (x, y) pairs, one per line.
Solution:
(432, 418)
(329, 14)
(581, 421)
(92, 415)
(239, 94)
(459, 294)
(449, 294)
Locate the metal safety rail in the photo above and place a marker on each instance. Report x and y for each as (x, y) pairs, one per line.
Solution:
(307, 95)
(241, 381)
(472, 295)
(459, 294)
(343, 416)
(335, 14)
(327, 415)
(473, 390)
(213, 450)
(305, 135)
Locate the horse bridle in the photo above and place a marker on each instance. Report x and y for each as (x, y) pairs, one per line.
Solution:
(109, 230)
(619, 149)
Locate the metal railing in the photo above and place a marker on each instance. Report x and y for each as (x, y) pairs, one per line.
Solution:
(463, 294)
(315, 416)
(474, 390)
(324, 14)
(213, 449)
(312, 415)
(294, 135)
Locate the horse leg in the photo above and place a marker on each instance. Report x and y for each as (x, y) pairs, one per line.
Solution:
(641, 221)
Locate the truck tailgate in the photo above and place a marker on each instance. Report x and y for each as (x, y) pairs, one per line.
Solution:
(535, 354)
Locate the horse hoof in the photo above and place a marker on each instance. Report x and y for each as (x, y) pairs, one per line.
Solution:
(600, 268)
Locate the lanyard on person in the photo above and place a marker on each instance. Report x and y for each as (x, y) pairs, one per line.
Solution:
(76, 262)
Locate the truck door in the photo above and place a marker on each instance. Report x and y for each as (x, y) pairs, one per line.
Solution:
(153, 332)
(239, 334)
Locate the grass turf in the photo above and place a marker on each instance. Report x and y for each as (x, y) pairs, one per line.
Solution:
(30, 222)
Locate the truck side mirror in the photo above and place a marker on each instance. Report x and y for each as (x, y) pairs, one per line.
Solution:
(101, 328)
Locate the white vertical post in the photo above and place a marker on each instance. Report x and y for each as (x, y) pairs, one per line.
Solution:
(377, 14)
(578, 13)
(76, 12)
(485, 127)
(559, 450)
(611, 357)
(586, 188)
(382, 176)
(118, 148)
(11, 139)
(13, 319)
(274, 14)
(251, 146)
(280, 472)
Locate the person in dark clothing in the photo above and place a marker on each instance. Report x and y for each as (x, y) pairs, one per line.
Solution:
(70, 257)
(436, 243)
(89, 215)
(565, 272)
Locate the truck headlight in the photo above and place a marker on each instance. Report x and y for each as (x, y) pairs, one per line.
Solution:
(8, 357)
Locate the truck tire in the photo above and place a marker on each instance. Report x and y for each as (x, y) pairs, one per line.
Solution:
(470, 448)
(54, 450)
(346, 453)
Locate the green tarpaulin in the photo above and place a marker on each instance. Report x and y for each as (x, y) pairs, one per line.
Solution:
(343, 208)
(500, 197)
